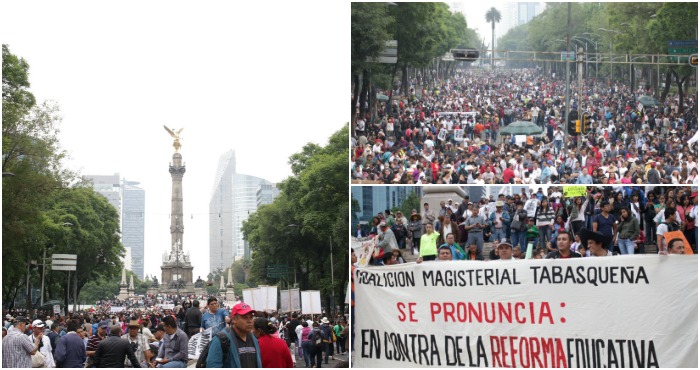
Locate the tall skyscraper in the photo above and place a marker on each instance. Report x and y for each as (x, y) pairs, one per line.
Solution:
(267, 193)
(221, 218)
(130, 202)
(133, 224)
(245, 202)
(375, 199)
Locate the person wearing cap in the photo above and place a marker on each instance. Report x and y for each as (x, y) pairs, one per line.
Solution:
(595, 242)
(45, 348)
(215, 317)
(96, 338)
(139, 343)
(113, 350)
(273, 351)
(415, 230)
(444, 253)
(505, 251)
(326, 328)
(499, 221)
(244, 350)
(17, 348)
(386, 240)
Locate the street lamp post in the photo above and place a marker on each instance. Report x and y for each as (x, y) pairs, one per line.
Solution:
(611, 42)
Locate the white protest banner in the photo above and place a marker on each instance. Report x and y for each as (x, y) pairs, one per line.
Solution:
(197, 344)
(269, 294)
(459, 135)
(253, 298)
(520, 140)
(117, 309)
(290, 300)
(622, 311)
(442, 134)
(311, 302)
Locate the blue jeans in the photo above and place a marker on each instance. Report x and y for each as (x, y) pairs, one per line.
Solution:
(498, 235)
(174, 364)
(545, 235)
(518, 237)
(326, 350)
(626, 246)
(476, 238)
(307, 348)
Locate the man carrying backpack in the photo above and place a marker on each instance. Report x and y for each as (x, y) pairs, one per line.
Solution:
(317, 345)
(243, 349)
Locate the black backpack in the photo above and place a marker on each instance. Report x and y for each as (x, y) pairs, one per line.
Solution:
(318, 338)
(225, 343)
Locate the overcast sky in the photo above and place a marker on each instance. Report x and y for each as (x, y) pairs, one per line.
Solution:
(261, 78)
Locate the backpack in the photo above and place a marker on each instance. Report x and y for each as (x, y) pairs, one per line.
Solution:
(317, 338)
(225, 343)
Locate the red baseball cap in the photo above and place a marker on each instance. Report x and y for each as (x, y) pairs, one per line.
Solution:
(241, 309)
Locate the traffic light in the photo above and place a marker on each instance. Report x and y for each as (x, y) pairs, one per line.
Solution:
(693, 60)
(578, 126)
(468, 55)
(571, 122)
(586, 123)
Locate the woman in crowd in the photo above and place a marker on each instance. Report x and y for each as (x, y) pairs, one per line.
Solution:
(274, 352)
(628, 231)
(544, 220)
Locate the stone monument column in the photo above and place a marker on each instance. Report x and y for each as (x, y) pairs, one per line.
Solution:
(123, 292)
(230, 295)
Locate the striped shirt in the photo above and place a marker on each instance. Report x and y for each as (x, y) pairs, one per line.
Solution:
(16, 348)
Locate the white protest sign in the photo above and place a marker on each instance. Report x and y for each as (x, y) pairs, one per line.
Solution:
(269, 294)
(458, 135)
(117, 309)
(520, 140)
(290, 300)
(311, 302)
(252, 297)
(529, 313)
(442, 134)
(197, 344)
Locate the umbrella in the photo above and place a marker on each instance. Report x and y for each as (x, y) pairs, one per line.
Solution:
(381, 97)
(648, 101)
(521, 128)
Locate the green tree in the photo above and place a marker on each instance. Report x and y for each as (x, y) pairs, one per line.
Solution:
(493, 16)
(306, 223)
(411, 202)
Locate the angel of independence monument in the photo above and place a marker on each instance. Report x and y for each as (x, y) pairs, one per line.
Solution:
(177, 267)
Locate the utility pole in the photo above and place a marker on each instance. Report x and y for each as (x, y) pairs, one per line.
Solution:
(579, 63)
(568, 80)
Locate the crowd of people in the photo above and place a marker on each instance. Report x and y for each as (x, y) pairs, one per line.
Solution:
(155, 331)
(542, 223)
(450, 134)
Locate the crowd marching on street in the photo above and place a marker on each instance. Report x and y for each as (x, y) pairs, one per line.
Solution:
(155, 331)
(451, 134)
(606, 221)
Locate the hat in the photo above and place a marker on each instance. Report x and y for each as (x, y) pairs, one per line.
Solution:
(653, 164)
(382, 224)
(241, 309)
(586, 234)
(549, 162)
(21, 319)
(631, 159)
(103, 324)
(416, 216)
(612, 168)
(38, 324)
(499, 203)
(325, 320)
(8, 316)
(504, 242)
(694, 194)
(673, 131)
(134, 323)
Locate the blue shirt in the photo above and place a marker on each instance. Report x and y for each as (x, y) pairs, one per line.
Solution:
(605, 225)
(216, 321)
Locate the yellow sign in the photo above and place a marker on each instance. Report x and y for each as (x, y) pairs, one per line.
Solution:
(574, 191)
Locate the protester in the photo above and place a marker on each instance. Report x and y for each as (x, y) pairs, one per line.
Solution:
(244, 350)
(70, 349)
(451, 134)
(173, 351)
(17, 348)
(274, 352)
(214, 317)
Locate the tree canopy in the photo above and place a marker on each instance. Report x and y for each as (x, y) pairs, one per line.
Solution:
(41, 211)
(306, 223)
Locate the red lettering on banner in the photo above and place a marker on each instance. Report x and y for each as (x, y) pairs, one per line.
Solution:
(435, 309)
(411, 311)
(495, 352)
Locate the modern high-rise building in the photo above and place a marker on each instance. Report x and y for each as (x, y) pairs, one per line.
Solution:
(245, 202)
(267, 193)
(234, 198)
(133, 224)
(221, 218)
(375, 199)
(130, 202)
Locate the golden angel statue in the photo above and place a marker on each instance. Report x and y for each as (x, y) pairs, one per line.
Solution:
(176, 135)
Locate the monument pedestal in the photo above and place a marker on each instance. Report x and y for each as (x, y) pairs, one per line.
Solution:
(230, 295)
(172, 276)
(436, 194)
(123, 292)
